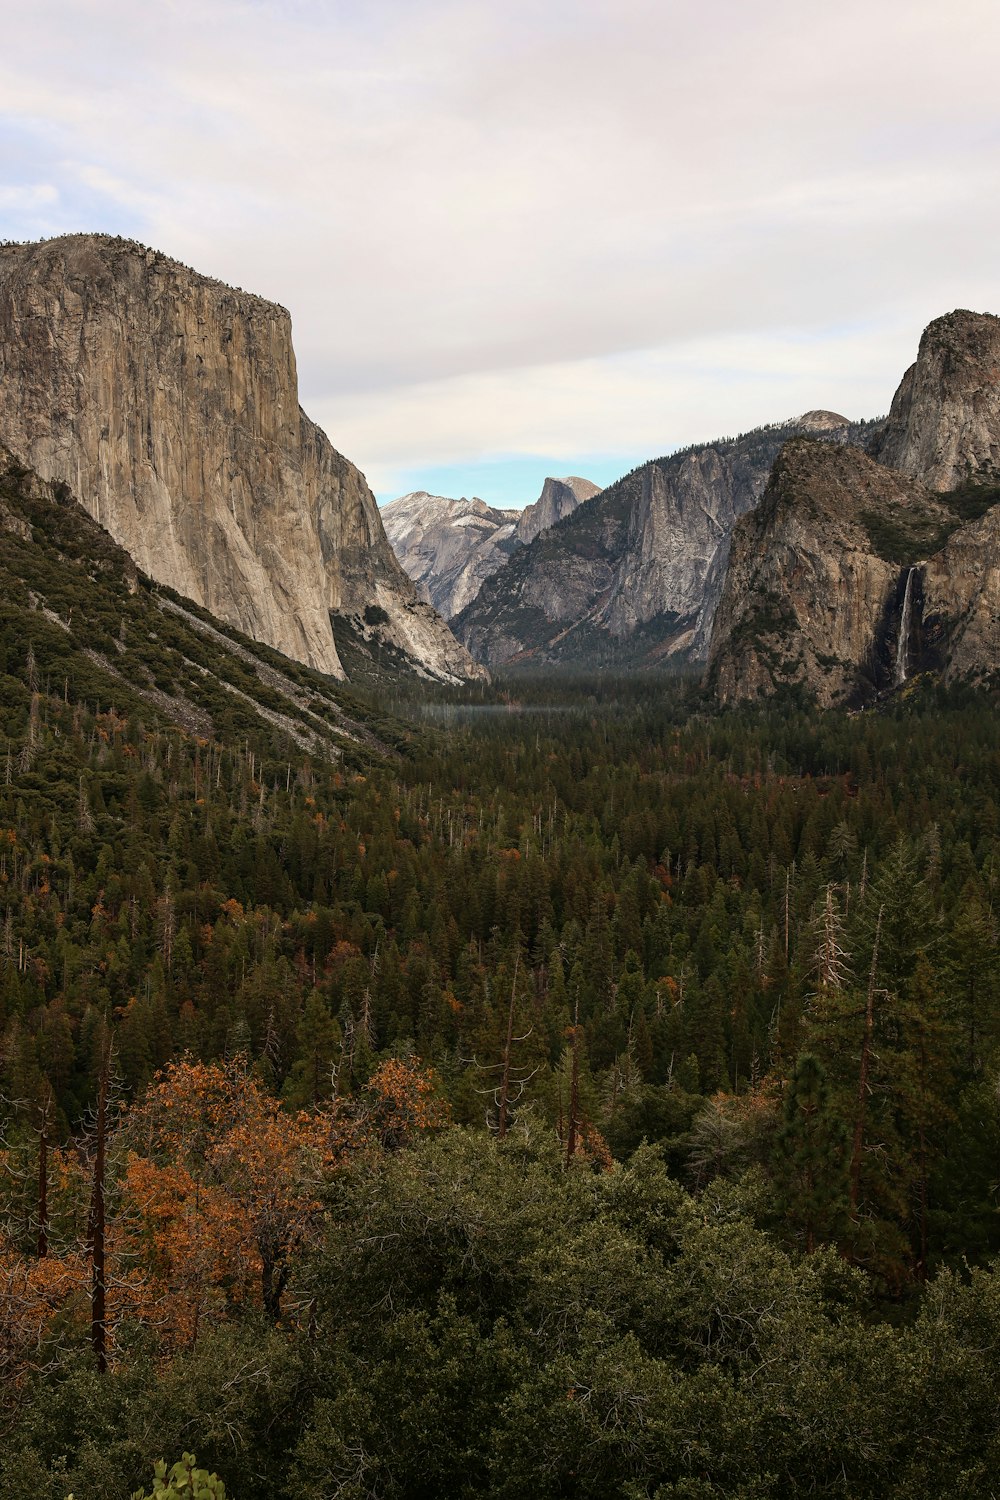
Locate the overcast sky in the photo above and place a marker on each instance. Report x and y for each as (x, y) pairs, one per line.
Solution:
(520, 239)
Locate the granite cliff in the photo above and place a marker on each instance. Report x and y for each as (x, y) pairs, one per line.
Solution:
(944, 423)
(168, 403)
(559, 499)
(853, 576)
(450, 547)
(808, 599)
(635, 575)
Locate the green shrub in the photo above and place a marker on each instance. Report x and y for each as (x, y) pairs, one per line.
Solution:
(184, 1482)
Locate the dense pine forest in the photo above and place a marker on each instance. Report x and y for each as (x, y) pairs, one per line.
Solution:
(582, 1095)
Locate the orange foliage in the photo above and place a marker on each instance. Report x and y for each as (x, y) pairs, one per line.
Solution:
(403, 1101)
(218, 1190)
(32, 1294)
(595, 1149)
(231, 1190)
(193, 1245)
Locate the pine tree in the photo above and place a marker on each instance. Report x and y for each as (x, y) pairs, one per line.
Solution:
(810, 1159)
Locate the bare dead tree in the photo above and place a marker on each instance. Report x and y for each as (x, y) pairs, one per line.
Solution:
(508, 1091)
(98, 1257)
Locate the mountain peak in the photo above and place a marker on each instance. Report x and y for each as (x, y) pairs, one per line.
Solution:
(559, 498)
(944, 422)
(821, 421)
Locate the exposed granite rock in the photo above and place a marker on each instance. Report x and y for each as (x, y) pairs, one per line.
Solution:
(634, 575)
(559, 498)
(849, 579)
(450, 547)
(168, 402)
(960, 603)
(944, 424)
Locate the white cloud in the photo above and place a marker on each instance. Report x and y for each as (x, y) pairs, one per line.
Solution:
(29, 198)
(483, 217)
(645, 402)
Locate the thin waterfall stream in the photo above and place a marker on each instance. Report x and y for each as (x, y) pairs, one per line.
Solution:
(905, 626)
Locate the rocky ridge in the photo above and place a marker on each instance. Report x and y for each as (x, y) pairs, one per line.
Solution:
(168, 403)
(853, 577)
(944, 423)
(635, 576)
(450, 547)
(88, 619)
(559, 499)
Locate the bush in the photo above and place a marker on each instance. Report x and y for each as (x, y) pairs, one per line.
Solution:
(184, 1482)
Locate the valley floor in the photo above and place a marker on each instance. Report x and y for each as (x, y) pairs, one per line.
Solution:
(592, 1095)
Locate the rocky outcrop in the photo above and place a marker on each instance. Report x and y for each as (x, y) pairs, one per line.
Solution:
(944, 424)
(959, 626)
(850, 579)
(808, 599)
(635, 575)
(854, 576)
(559, 498)
(168, 403)
(450, 547)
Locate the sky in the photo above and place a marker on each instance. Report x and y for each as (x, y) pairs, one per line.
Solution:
(526, 239)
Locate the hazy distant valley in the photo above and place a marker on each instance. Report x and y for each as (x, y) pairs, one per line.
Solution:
(774, 567)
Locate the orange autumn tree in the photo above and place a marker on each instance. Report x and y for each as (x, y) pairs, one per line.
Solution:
(213, 1189)
(400, 1102)
(223, 1186)
(41, 1301)
(44, 1272)
(221, 1189)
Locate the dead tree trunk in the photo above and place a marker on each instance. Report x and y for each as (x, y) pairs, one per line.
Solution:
(98, 1302)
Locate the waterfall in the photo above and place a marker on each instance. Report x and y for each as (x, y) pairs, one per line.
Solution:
(905, 624)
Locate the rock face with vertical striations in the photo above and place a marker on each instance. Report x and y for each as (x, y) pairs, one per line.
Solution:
(450, 547)
(559, 498)
(168, 403)
(816, 586)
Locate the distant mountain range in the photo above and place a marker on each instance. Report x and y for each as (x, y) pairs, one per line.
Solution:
(842, 558)
(839, 559)
(633, 577)
(450, 547)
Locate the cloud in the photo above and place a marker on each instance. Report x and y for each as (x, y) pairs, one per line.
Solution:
(643, 403)
(485, 218)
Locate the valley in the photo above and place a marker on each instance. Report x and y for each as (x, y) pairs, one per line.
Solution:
(556, 1054)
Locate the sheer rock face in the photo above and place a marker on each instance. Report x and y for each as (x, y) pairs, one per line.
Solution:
(450, 547)
(944, 424)
(559, 498)
(636, 573)
(804, 591)
(816, 592)
(960, 603)
(168, 403)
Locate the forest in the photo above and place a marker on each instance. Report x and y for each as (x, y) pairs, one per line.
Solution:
(573, 1093)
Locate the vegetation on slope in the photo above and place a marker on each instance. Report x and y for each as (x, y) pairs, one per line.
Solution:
(78, 622)
(599, 1099)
